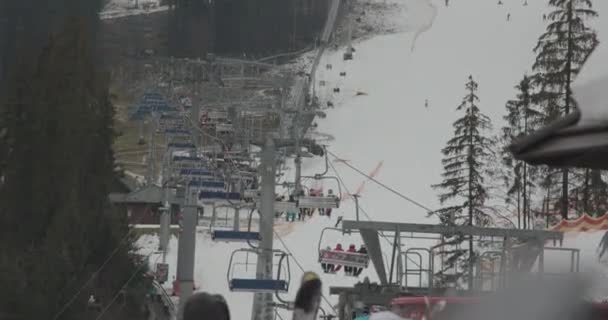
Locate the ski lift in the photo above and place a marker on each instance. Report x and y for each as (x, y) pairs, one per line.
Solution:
(330, 201)
(328, 66)
(336, 89)
(224, 128)
(249, 282)
(196, 172)
(235, 236)
(318, 202)
(211, 190)
(343, 74)
(330, 104)
(343, 258)
(177, 132)
(322, 83)
(181, 145)
(348, 55)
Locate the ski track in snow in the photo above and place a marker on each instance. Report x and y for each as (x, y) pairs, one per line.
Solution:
(390, 123)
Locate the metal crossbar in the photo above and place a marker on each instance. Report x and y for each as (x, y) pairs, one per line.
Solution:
(318, 202)
(350, 225)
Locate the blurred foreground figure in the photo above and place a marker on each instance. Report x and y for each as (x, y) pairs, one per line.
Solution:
(204, 306)
(532, 299)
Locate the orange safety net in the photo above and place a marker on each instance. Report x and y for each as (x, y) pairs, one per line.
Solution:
(582, 224)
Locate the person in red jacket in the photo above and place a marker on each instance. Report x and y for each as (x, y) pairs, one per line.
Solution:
(349, 270)
(337, 268)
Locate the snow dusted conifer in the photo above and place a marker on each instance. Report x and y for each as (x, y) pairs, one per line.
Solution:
(463, 192)
(521, 119)
(561, 52)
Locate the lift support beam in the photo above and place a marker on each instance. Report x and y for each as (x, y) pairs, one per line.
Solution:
(351, 225)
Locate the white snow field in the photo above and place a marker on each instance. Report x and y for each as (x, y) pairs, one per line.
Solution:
(388, 123)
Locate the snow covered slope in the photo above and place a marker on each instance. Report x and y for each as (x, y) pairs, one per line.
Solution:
(387, 126)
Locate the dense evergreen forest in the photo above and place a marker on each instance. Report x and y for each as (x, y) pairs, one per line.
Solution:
(60, 240)
(231, 27)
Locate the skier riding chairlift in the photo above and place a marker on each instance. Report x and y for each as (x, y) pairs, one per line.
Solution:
(328, 267)
(347, 269)
(357, 271)
(337, 268)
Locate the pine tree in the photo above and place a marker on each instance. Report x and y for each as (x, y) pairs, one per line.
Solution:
(57, 230)
(462, 190)
(591, 193)
(561, 52)
(521, 119)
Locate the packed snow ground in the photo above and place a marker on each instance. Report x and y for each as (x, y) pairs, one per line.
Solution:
(387, 126)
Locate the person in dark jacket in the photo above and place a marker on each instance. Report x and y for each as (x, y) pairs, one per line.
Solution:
(349, 270)
(205, 306)
(358, 271)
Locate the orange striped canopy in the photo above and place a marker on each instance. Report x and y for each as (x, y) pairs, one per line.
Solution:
(582, 224)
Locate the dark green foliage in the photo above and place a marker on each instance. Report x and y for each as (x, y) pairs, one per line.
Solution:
(57, 167)
(463, 186)
(521, 119)
(237, 27)
(590, 193)
(561, 52)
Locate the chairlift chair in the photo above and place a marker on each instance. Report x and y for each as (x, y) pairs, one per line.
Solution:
(336, 89)
(235, 236)
(251, 283)
(347, 259)
(327, 202)
(181, 145)
(348, 55)
(318, 202)
(343, 74)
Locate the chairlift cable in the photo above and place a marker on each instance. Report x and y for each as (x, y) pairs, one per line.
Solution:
(365, 212)
(143, 264)
(120, 244)
(295, 259)
(401, 195)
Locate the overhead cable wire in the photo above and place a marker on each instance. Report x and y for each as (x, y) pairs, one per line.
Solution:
(401, 195)
(143, 264)
(295, 259)
(365, 212)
